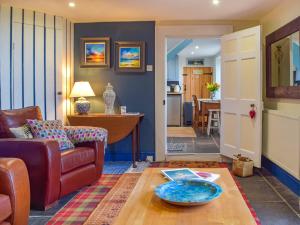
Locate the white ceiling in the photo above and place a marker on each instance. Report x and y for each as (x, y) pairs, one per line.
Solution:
(206, 48)
(130, 10)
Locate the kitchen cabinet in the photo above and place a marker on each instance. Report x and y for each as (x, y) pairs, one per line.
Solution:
(174, 105)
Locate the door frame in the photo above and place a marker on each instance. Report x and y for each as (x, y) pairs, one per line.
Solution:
(163, 32)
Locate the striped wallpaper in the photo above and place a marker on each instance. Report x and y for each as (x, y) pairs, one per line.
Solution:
(36, 61)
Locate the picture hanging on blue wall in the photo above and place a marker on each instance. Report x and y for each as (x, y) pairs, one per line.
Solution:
(130, 56)
(95, 52)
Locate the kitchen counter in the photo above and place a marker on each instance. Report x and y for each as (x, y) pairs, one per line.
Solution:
(174, 93)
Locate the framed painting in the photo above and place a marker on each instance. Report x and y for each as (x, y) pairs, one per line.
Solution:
(130, 56)
(95, 52)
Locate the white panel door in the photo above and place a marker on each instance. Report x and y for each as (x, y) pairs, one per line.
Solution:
(28, 59)
(59, 67)
(17, 86)
(241, 87)
(5, 57)
(50, 93)
(39, 67)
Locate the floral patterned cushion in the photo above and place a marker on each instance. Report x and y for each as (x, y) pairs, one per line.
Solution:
(86, 134)
(50, 129)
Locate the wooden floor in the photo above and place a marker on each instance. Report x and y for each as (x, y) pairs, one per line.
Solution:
(181, 132)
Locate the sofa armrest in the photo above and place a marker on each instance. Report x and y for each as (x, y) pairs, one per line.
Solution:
(43, 161)
(98, 147)
(15, 183)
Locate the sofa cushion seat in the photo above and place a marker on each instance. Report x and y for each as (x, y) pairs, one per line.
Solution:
(76, 157)
(5, 207)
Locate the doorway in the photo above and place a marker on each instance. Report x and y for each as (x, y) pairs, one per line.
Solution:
(162, 34)
(241, 89)
(191, 65)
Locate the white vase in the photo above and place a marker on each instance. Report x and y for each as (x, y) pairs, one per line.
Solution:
(109, 97)
(212, 95)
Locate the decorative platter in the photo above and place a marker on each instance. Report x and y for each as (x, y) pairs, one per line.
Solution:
(188, 192)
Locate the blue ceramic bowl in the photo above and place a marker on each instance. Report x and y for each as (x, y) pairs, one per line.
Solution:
(188, 192)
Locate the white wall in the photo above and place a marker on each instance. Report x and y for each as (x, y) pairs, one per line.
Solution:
(217, 77)
(280, 127)
(35, 61)
(181, 64)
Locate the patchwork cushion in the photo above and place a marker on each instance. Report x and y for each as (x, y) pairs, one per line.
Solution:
(85, 134)
(50, 129)
(22, 132)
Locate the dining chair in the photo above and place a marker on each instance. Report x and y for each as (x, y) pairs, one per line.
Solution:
(196, 119)
(213, 120)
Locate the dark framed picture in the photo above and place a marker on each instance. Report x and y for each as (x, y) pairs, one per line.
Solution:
(95, 52)
(130, 56)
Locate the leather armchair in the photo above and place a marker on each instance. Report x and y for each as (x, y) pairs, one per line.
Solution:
(14, 192)
(52, 173)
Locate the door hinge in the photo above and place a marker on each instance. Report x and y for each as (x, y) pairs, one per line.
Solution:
(164, 102)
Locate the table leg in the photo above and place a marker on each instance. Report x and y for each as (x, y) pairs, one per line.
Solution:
(202, 121)
(134, 141)
(138, 143)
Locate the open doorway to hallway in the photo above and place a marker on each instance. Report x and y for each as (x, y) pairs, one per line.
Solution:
(193, 111)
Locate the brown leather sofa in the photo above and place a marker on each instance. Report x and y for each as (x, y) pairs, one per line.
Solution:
(14, 192)
(52, 173)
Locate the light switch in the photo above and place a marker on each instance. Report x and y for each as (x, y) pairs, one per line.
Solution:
(149, 68)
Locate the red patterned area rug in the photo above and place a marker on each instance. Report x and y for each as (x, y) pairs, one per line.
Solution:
(190, 164)
(88, 208)
(83, 204)
(108, 209)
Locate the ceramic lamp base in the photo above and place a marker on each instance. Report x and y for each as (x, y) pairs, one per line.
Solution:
(82, 106)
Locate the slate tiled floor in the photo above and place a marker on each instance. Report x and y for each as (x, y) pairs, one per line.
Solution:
(41, 217)
(200, 144)
(274, 203)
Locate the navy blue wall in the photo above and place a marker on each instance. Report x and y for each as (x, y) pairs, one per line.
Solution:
(136, 91)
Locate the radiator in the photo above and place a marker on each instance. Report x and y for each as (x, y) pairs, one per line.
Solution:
(281, 140)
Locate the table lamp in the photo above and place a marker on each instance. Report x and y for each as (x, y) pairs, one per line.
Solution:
(81, 90)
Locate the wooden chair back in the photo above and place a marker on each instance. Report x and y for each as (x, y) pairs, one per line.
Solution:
(196, 111)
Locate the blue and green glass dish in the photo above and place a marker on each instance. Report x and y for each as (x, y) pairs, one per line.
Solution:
(188, 192)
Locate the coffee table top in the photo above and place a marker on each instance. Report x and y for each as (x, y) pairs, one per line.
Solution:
(143, 207)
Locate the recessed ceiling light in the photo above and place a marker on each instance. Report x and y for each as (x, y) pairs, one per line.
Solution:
(72, 4)
(216, 2)
(192, 53)
(197, 47)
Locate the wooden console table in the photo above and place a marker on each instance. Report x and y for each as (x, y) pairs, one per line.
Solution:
(118, 127)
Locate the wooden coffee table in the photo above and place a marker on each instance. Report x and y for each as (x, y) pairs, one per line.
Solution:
(144, 208)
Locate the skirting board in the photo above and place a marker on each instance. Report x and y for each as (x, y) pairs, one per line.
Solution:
(126, 156)
(291, 182)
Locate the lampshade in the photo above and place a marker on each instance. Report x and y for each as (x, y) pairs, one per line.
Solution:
(82, 89)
